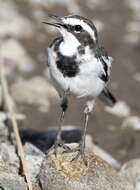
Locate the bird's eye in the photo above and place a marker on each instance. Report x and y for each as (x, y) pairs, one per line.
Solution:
(78, 28)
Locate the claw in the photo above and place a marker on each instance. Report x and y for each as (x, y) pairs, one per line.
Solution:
(82, 156)
(70, 150)
(59, 143)
(80, 152)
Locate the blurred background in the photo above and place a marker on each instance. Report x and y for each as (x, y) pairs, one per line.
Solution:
(23, 43)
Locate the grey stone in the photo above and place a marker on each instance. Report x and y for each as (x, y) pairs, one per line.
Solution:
(101, 153)
(132, 122)
(15, 56)
(8, 158)
(3, 131)
(34, 91)
(10, 181)
(120, 109)
(60, 173)
(15, 24)
(131, 171)
(34, 158)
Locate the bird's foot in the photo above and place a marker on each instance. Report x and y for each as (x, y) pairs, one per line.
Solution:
(58, 143)
(80, 153)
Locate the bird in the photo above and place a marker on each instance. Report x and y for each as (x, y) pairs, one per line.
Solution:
(78, 66)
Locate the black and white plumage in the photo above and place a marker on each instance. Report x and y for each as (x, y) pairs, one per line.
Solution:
(78, 66)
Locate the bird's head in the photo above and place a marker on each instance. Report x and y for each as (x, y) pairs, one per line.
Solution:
(75, 28)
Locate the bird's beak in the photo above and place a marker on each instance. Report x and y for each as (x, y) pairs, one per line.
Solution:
(52, 24)
(58, 24)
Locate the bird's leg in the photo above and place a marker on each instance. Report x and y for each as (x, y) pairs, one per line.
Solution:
(81, 147)
(59, 142)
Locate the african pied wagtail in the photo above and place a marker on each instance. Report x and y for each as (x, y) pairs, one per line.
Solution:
(78, 66)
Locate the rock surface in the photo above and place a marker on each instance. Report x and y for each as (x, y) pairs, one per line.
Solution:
(131, 171)
(34, 158)
(15, 56)
(10, 181)
(120, 109)
(35, 91)
(14, 24)
(50, 173)
(60, 173)
(132, 122)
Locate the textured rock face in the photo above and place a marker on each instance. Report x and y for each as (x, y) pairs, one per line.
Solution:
(61, 173)
(34, 158)
(50, 173)
(131, 171)
(35, 91)
(12, 182)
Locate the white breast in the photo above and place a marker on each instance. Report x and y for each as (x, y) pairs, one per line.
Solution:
(87, 83)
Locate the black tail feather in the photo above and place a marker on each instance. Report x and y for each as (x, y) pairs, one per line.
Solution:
(107, 97)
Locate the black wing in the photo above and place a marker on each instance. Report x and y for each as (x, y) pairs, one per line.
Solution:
(107, 97)
(102, 55)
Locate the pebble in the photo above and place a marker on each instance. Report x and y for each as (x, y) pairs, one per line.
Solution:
(34, 158)
(135, 7)
(92, 4)
(15, 56)
(4, 116)
(71, 5)
(137, 77)
(9, 181)
(9, 158)
(35, 91)
(15, 24)
(3, 131)
(133, 26)
(132, 38)
(101, 153)
(132, 122)
(131, 171)
(120, 109)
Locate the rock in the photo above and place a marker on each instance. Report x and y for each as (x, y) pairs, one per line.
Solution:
(121, 109)
(4, 133)
(15, 56)
(93, 4)
(70, 134)
(60, 173)
(132, 122)
(34, 158)
(133, 26)
(14, 25)
(1, 98)
(131, 171)
(101, 153)
(131, 38)
(8, 158)
(34, 91)
(71, 5)
(137, 77)
(135, 6)
(4, 116)
(10, 181)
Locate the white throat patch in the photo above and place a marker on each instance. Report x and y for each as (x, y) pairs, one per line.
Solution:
(70, 44)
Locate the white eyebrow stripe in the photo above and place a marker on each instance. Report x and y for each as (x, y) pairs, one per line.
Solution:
(86, 27)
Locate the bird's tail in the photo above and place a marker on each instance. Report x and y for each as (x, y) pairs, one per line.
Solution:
(107, 97)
